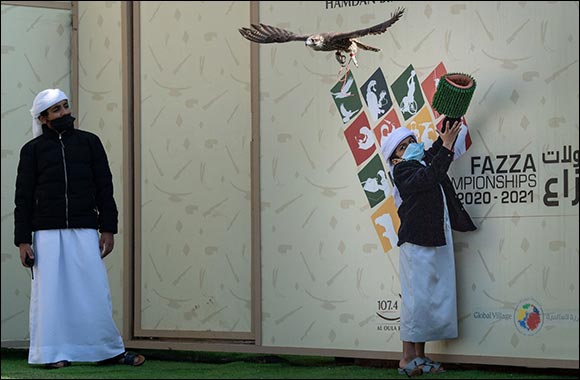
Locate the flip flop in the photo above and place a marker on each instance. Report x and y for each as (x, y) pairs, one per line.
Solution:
(57, 365)
(413, 368)
(432, 366)
(126, 358)
(132, 359)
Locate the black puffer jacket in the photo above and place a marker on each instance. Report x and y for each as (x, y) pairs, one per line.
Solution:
(63, 181)
(421, 212)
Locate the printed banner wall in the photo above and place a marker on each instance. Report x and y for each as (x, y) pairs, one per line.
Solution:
(100, 110)
(329, 222)
(195, 168)
(329, 258)
(36, 47)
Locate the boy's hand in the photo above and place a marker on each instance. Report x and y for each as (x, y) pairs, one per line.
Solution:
(448, 133)
(106, 243)
(26, 251)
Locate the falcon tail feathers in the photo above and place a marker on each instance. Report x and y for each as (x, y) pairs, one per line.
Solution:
(366, 47)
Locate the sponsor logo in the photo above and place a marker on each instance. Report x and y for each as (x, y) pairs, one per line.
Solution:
(528, 317)
(388, 313)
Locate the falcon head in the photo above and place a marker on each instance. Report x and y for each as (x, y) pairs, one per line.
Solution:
(315, 42)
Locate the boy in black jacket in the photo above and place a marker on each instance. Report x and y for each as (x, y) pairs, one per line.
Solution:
(64, 198)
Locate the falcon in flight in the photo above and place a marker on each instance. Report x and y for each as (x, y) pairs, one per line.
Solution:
(333, 41)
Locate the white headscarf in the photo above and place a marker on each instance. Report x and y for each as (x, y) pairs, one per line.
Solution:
(43, 101)
(388, 146)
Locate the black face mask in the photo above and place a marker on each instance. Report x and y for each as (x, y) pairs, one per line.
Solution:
(63, 123)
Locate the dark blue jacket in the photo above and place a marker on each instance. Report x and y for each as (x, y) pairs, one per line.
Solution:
(421, 211)
(63, 182)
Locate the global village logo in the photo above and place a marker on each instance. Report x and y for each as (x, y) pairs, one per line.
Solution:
(529, 317)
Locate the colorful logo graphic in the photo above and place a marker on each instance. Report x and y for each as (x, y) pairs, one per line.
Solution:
(424, 128)
(408, 94)
(360, 139)
(373, 179)
(430, 83)
(370, 114)
(346, 97)
(388, 124)
(376, 95)
(386, 222)
(529, 317)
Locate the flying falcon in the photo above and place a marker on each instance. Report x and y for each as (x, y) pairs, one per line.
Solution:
(332, 41)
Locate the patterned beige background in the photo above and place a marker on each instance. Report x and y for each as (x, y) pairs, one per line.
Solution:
(324, 270)
(36, 48)
(35, 56)
(101, 110)
(195, 152)
(324, 273)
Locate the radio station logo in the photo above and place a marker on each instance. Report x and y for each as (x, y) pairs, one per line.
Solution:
(388, 314)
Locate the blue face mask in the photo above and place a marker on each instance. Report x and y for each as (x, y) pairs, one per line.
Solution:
(414, 151)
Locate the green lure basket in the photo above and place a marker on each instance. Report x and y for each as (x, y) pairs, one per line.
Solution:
(453, 95)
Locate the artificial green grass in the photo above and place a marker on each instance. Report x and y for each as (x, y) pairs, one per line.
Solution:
(207, 365)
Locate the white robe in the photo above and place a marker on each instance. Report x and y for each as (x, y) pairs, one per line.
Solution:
(428, 289)
(70, 305)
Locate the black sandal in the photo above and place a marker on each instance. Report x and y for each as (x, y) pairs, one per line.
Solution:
(57, 365)
(126, 358)
(132, 359)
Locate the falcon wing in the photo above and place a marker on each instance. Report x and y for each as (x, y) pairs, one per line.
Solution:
(377, 29)
(267, 34)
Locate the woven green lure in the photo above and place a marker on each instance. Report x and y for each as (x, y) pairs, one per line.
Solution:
(453, 95)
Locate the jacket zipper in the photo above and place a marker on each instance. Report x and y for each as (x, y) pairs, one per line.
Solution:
(65, 177)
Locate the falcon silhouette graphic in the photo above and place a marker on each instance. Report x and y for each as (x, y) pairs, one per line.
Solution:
(345, 42)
